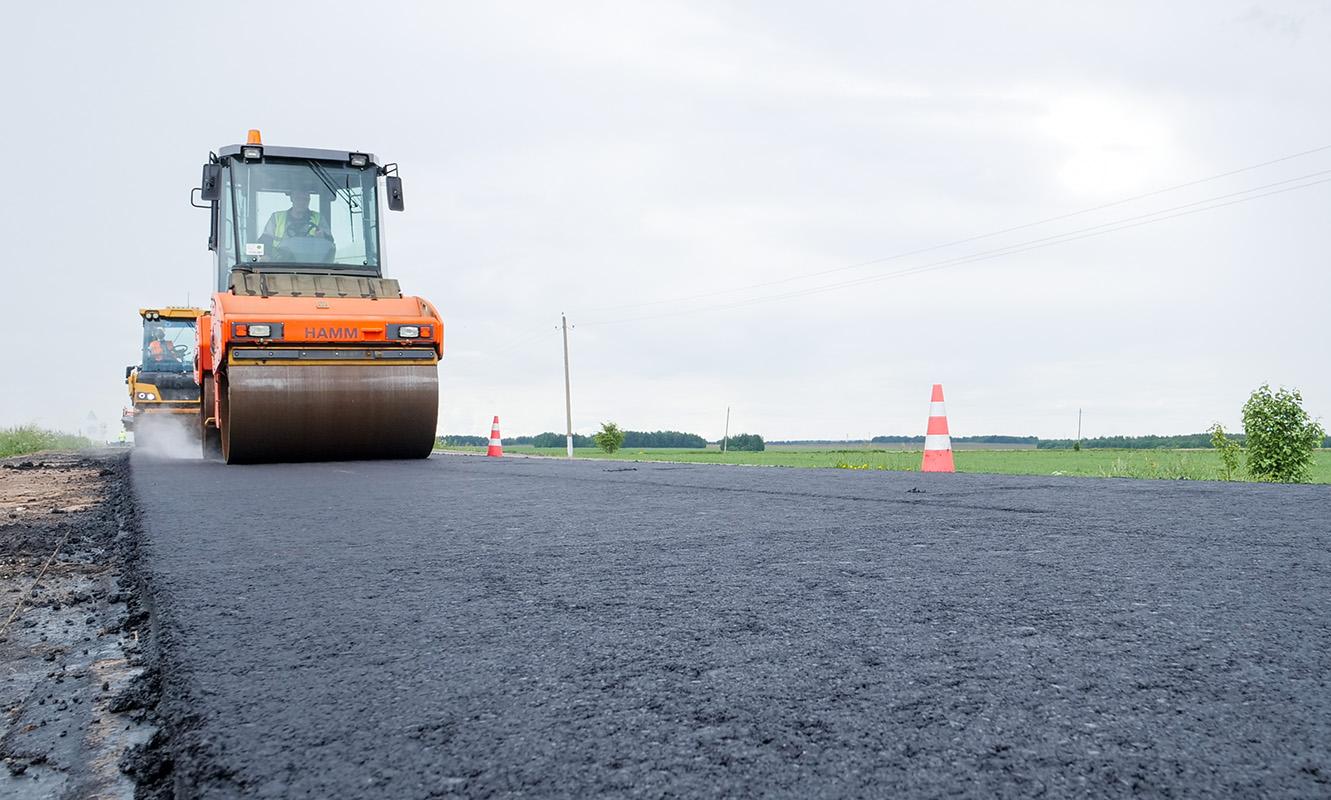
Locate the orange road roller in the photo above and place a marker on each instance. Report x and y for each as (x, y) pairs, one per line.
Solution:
(308, 353)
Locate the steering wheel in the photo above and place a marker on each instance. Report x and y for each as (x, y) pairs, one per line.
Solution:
(305, 249)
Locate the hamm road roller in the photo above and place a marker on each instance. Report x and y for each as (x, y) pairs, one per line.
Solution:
(308, 352)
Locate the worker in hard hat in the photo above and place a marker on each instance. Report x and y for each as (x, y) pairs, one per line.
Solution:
(296, 222)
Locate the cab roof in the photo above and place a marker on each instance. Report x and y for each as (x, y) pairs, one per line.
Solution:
(172, 312)
(308, 153)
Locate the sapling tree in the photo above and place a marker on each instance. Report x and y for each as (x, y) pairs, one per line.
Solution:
(1281, 437)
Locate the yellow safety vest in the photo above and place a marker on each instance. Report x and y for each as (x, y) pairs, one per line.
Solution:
(280, 224)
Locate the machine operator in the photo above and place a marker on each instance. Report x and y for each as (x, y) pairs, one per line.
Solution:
(159, 349)
(297, 221)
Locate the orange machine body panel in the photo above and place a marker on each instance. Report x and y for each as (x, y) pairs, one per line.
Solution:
(203, 356)
(320, 321)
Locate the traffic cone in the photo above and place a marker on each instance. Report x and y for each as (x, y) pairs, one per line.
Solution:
(937, 442)
(496, 448)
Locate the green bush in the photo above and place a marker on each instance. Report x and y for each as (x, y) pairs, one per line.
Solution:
(1281, 437)
(609, 438)
(750, 442)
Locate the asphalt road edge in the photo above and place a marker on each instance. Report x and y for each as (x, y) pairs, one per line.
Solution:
(150, 764)
(179, 757)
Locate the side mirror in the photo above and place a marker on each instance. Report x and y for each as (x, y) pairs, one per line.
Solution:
(128, 371)
(211, 187)
(394, 185)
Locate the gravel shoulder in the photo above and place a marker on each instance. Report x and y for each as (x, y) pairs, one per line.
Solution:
(466, 627)
(71, 657)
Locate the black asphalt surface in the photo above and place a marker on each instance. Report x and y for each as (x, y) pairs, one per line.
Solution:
(489, 628)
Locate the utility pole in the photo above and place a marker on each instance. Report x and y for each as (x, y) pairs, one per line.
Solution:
(568, 392)
(727, 433)
(1079, 426)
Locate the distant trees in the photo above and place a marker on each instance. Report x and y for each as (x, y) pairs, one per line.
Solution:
(1190, 440)
(976, 439)
(549, 439)
(463, 441)
(631, 439)
(749, 442)
(663, 439)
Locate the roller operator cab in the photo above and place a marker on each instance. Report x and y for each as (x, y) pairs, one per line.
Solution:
(308, 352)
(162, 385)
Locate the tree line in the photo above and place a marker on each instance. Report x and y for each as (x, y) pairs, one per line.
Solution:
(1186, 440)
(974, 439)
(754, 442)
(640, 439)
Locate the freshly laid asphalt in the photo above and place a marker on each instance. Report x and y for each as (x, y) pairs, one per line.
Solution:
(477, 627)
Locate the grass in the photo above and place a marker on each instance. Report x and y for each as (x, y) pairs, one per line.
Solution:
(1162, 464)
(31, 439)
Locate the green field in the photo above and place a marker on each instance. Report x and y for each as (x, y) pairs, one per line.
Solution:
(1164, 464)
(31, 439)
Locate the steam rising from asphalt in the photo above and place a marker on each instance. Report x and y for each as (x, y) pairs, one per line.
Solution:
(167, 436)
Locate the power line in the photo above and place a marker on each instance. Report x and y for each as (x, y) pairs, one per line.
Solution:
(1013, 249)
(521, 340)
(969, 239)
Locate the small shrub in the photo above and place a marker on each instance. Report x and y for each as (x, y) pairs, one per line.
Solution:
(1281, 437)
(1229, 452)
(609, 438)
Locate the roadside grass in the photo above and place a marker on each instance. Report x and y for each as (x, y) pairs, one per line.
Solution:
(1158, 464)
(25, 439)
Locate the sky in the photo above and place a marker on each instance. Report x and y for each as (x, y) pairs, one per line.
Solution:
(767, 207)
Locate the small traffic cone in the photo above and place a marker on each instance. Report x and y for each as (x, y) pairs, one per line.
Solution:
(496, 448)
(937, 442)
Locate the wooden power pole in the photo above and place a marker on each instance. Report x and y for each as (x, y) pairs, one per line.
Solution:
(568, 391)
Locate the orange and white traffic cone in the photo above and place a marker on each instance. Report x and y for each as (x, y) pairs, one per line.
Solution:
(496, 448)
(937, 441)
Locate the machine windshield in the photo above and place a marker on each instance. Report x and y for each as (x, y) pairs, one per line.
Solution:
(291, 213)
(168, 345)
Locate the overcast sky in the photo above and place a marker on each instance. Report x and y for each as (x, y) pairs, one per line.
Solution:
(649, 167)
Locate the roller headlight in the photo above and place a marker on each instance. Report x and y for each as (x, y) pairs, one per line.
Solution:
(257, 330)
(409, 331)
